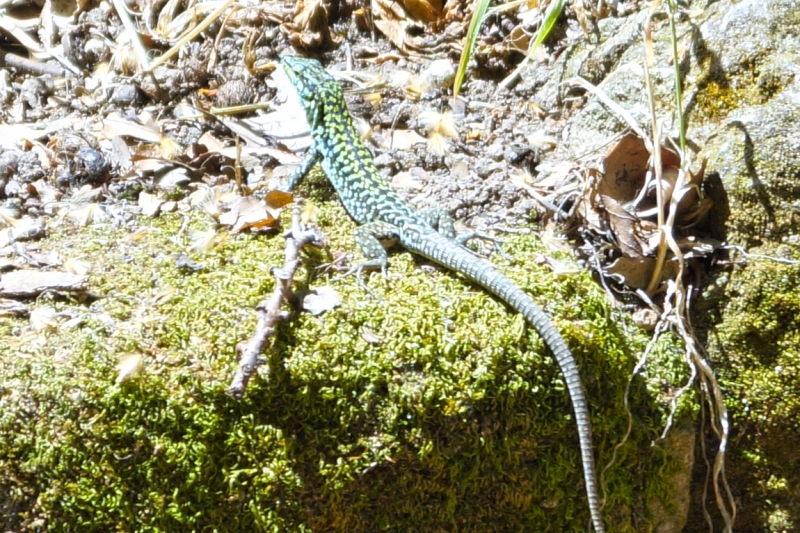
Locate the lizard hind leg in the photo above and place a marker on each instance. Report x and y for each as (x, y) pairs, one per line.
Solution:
(442, 222)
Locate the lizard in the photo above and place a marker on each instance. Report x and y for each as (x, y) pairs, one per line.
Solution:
(383, 215)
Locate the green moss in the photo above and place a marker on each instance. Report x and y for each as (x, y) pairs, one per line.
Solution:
(455, 418)
(757, 347)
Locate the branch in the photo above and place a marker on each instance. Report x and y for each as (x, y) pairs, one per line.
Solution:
(269, 309)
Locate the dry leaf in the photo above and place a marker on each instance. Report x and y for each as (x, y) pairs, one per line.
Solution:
(248, 212)
(320, 300)
(77, 266)
(88, 214)
(138, 234)
(116, 125)
(277, 199)
(44, 318)
(370, 336)
(406, 180)
(309, 29)
(202, 241)
(405, 139)
(150, 203)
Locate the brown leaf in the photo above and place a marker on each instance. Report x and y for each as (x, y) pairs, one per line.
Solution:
(276, 199)
(625, 168)
(624, 225)
(247, 212)
(423, 10)
(636, 271)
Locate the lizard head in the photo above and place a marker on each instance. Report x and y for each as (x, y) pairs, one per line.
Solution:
(317, 89)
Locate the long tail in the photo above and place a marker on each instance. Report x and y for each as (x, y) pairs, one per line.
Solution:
(440, 249)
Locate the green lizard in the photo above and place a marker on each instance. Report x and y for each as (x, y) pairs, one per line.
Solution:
(383, 215)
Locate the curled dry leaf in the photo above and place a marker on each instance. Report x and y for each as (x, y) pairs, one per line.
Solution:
(622, 203)
(309, 28)
(248, 213)
(405, 23)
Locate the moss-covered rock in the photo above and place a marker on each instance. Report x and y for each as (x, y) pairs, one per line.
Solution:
(754, 341)
(428, 407)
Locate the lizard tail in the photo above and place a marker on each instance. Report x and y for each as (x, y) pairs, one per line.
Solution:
(447, 253)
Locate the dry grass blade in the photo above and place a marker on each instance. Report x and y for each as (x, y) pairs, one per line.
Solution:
(204, 24)
(550, 19)
(133, 35)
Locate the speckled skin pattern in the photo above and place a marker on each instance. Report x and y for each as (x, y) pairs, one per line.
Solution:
(382, 214)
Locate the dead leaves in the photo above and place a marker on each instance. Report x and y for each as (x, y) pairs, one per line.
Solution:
(415, 27)
(309, 28)
(411, 25)
(622, 206)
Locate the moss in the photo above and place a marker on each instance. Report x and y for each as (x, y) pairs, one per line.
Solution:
(427, 407)
(757, 349)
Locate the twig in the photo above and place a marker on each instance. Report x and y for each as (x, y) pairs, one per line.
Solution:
(21, 63)
(269, 310)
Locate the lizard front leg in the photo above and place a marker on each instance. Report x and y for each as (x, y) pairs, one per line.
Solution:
(369, 238)
(311, 158)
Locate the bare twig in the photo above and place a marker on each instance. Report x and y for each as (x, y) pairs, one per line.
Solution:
(269, 310)
(21, 63)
